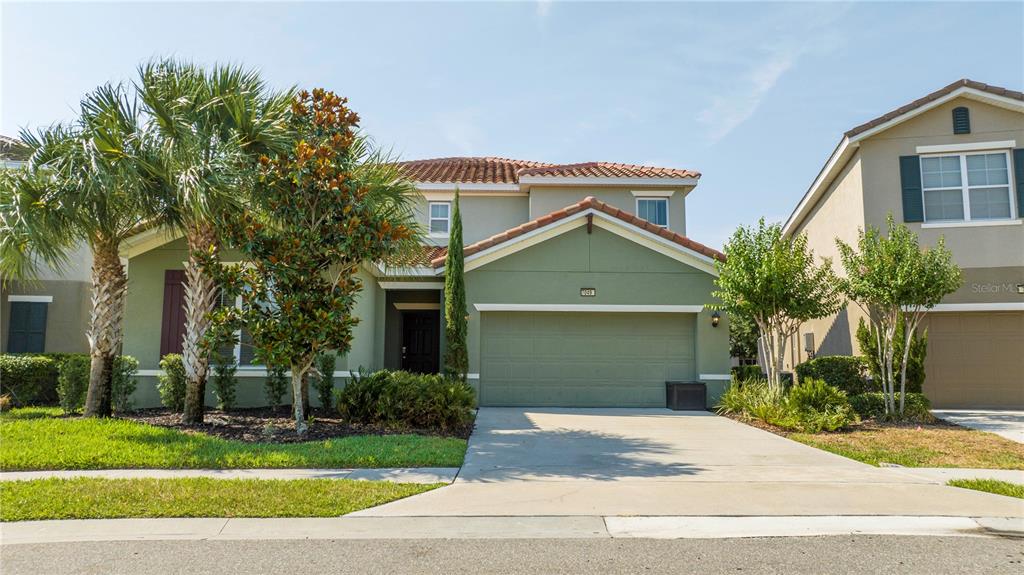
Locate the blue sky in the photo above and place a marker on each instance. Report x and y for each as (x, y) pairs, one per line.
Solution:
(755, 96)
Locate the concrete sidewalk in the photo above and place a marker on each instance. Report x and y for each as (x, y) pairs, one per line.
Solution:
(581, 527)
(397, 475)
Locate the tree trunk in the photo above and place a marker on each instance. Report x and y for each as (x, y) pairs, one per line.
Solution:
(305, 393)
(105, 329)
(297, 406)
(200, 301)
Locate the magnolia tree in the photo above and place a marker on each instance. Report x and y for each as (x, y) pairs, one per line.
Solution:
(319, 210)
(774, 281)
(896, 282)
(456, 356)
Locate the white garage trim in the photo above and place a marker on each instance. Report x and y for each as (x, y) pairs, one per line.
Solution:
(998, 306)
(563, 307)
(31, 298)
(410, 285)
(715, 376)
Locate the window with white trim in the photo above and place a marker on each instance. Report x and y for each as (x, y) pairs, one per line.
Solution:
(984, 194)
(440, 217)
(653, 210)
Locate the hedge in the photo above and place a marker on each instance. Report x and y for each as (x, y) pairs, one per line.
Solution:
(842, 371)
(399, 399)
(31, 379)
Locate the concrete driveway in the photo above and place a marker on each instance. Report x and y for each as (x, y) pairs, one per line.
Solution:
(537, 461)
(1005, 422)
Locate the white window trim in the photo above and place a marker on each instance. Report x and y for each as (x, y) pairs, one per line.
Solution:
(652, 193)
(965, 194)
(430, 219)
(31, 298)
(971, 224)
(974, 147)
(636, 207)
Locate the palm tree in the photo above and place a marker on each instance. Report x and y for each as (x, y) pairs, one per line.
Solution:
(82, 183)
(210, 127)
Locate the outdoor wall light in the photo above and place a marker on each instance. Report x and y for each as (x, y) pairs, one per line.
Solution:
(715, 318)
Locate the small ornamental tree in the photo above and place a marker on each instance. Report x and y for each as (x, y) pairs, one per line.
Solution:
(319, 210)
(895, 281)
(743, 335)
(774, 281)
(456, 356)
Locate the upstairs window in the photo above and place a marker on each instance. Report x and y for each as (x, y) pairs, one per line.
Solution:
(440, 217)
(966, 187)
(653, 210)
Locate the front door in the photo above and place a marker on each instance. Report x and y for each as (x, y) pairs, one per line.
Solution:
(421, 341)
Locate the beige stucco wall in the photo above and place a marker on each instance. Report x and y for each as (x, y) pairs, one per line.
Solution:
(992, 257)
(544, 200)
(482, 216)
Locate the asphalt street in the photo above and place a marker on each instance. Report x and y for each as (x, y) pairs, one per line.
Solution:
(791, 556)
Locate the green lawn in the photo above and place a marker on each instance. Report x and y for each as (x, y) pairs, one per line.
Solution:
(938, 446)
(991, 486)
(88, 498)
(35, 439)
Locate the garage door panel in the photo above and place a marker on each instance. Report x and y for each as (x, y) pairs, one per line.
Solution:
(975, 359)
(583, 359)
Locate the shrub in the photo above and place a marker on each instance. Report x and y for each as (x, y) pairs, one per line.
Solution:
(842, 371)
(225, 382)
(73, 383)
(5, 403)
(872, 405)
(125, 368)
(747, 372)
(811, 407)
(324, 379)
(275, 386)
(915, 361)
(172, 383)
(29, 379)
(407, 400)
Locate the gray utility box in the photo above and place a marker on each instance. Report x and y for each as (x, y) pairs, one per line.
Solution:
(686, 396)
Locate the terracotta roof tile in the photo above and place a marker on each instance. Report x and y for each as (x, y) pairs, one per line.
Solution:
(963, 83)
(587, 203)
(505, 171)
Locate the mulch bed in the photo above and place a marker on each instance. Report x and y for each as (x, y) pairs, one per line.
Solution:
(266, 425)
(864, 425)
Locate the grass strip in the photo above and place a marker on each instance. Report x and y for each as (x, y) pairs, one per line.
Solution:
(36, 439)
(990, 486)
(91, 498)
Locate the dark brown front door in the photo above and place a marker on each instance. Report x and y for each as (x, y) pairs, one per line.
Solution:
(421, 341)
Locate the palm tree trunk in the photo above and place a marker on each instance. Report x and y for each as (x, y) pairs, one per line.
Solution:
(105, 334)
(200, 301)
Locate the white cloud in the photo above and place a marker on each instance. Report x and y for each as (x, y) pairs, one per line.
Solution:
(727, 111)
(543, 9)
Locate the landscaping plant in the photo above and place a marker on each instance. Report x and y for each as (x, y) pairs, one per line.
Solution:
(868, 339)
(404, 400)
(275, 386)
(841, 371)
(29, 379)
(871, 405)
(456, 353)
(811, 406)
(775, 282)
(83, 183)
(171, 383)
(324, 381)
(73, 382)
(319, 210)
(209, 126)
(225, 382)
(894, 280)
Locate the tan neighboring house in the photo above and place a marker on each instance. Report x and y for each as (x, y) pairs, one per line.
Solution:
(951, 165)
(50, 314)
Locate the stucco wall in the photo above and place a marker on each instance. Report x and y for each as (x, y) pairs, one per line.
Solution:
(67, 316)
(482, 216)
(544, 200)
(621, 271)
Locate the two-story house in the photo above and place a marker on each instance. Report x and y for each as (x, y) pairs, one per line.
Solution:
(51, 313)
(582, 288)
(949, 165)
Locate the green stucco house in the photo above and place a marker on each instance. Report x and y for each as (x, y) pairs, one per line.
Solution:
(582, 289)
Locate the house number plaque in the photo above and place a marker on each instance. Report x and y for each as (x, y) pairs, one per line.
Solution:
(588, 292)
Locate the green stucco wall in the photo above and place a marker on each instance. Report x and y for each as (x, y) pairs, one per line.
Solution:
(67, 316)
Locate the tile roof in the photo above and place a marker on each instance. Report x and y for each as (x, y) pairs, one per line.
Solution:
(963, 83)
(587, 203)
(506, 171)
(607, 170)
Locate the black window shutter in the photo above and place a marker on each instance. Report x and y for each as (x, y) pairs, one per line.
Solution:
(27, 330)
(910, 182)
(1018, 172)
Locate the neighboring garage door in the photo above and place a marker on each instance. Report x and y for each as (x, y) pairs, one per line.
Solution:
(975, 359)
(583, 359)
